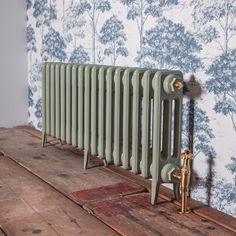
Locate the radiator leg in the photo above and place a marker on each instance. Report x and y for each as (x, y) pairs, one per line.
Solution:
(155, 191)
(86, 159)
(105, 161)
(176, 187)
(44, 139)
(2, 153)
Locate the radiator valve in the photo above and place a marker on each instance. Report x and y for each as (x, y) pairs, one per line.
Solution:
(183, 177)
(172, 173)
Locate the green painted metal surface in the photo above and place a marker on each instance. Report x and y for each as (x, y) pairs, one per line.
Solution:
(63, 102)
(128, 116)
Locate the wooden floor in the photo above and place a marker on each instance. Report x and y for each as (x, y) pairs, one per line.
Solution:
(29, 206)
(46, 191)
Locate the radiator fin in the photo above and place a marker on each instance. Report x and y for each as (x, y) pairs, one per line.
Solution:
(80, 106)
(74, 105)
(126, 140)
(136, 116)
(87, 108)
(47, 99)
(94, 109)
(117, 116)
(145, 159)
(101, 112)
(63, 102)
(109, 115)
(68, 104)
(57, 100)
(128, 116)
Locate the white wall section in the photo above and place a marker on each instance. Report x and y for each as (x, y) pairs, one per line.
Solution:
(13, 63)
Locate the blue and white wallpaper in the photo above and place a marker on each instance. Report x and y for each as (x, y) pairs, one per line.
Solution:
(195, 36)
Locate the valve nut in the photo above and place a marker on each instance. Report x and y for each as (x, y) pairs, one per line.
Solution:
(166, 172)
(172, 83)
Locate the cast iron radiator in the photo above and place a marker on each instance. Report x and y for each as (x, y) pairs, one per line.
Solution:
(130, 117)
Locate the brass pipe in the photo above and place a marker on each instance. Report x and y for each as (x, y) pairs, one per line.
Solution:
(183, 177)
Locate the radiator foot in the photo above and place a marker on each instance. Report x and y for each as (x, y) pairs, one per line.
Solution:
(105, 162)
(2, 153)
(86, 159)
(155, 191)
(176, 187)
(44, 139)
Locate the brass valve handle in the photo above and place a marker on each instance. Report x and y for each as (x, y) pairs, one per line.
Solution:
(186, 155)
(185, 174)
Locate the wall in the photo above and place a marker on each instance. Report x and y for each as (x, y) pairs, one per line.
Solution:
(197, 37)
(13, 64)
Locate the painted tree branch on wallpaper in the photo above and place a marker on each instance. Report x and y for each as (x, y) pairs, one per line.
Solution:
(203, 133)
(232, 167)
(139, 11)
(216, 23)
(94, 8)
(41, 14)
(31, 42)
(73, 30)
(112, 34)
(164, 48)
(54, 46)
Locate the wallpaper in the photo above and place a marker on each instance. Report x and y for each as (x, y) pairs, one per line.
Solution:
(196, 36)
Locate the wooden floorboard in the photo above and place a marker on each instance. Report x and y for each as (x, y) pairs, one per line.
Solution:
(106, 192)
(134, 215)
(32, 207)
(62, 169)
(2, 233)
(61, 166)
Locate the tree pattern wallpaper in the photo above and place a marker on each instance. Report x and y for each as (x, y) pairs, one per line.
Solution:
(197, 37)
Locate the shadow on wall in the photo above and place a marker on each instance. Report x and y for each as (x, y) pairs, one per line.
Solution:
(209, 179)
(193, 90)
(206, 183)
(211, 189)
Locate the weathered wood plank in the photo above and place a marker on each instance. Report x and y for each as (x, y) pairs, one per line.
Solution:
(28, 226)
(2, 233)
(197, 207)
(62, 169)
(13, 209)
(37, 208)
(134, 215)
(205, 211)
(106, 192)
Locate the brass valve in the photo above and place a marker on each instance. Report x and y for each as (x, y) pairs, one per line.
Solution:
(183, 177)
(172, 84)
(178, 85)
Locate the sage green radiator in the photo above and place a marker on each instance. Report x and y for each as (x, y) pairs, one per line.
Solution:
(130, 117)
